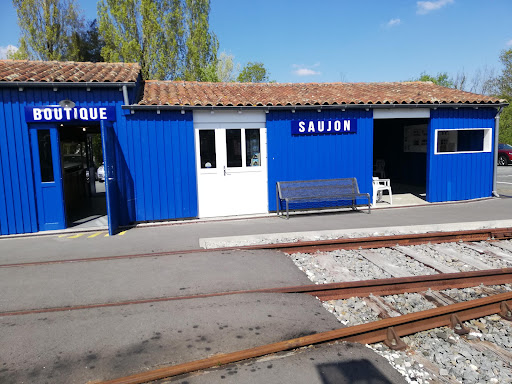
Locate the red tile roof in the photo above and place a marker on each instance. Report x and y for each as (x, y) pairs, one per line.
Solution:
(297, 94)
(67, 71)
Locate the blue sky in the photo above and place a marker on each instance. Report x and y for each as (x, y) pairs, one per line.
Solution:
(355, 41)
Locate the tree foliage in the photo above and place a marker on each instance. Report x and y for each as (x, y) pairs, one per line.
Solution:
(87, 44)
(442, 79)
(226, 68)
(149, 32)
(201, 45)
(47, 28)
(253, 73)
(171, 39)
(504, 88)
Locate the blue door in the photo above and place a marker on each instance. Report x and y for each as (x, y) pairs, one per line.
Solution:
(48, 177)
(108, 140)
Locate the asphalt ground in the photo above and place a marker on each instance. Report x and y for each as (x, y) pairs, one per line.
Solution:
(504, 182)
(82, 283)
(340, 363)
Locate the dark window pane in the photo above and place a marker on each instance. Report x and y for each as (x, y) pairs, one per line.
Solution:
(447, 141)
(471, 140)
(460, 140)
(252, 148)
(234, 147)
(207, 148)
(45, 155)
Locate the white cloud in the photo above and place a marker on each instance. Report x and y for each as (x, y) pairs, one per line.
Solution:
(302, 70)
(5, 50)
(509, 43)
(425, 7)
(393, 23)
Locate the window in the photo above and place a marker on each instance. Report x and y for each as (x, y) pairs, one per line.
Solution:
(45, 155)
(234, 147)
(207, 148)
(252, 148)
(463, 140)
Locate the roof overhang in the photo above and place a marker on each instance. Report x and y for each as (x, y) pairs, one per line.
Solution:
(137, 107)
(65, 84)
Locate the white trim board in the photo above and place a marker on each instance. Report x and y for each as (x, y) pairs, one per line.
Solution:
(402, 113)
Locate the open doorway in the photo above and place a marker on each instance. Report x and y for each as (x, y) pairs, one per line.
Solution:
(400, 154)
(83, 176)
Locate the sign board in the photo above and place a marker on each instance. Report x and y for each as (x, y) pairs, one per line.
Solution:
(415, 138)
(58, 114)
(312, 127)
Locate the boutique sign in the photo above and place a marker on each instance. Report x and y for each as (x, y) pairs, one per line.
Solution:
(58, 114)
(312, 127)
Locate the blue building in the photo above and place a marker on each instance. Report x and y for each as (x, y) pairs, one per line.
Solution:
(177, 150)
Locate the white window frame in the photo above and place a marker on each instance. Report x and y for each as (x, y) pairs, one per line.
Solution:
(487, 144)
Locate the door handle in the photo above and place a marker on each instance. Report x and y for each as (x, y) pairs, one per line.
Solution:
(225, 173)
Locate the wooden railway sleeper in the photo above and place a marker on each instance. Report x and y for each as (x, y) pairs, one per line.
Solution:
(393, 341)
(458, 327)
(506, 311)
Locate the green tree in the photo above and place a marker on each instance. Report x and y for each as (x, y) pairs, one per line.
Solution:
(503, 85)
(149, 32)
(226, 68)
(87, 44)
(253, 73)
(441, 79)
(505, 135)
(47, 27)
(504, 82)
(201, 44)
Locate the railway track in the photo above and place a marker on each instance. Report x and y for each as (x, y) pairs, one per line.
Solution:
(400, 265)
(392, 322)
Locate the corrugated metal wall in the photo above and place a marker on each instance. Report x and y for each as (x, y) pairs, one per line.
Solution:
(461, 176)
(159, 163)
(318, 156)
(18, 212)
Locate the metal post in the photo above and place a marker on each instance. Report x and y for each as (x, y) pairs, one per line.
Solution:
(496, 141)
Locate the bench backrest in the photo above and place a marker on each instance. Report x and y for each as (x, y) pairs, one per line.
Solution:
(317, 188)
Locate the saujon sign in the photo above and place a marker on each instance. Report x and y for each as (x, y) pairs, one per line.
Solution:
(312, 127)
(59, 114)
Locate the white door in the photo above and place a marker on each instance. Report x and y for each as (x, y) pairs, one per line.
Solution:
(231, 158)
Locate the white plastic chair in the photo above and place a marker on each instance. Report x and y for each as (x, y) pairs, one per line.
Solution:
(379, 186)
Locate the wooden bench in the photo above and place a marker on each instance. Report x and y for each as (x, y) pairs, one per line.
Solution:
(327, 193)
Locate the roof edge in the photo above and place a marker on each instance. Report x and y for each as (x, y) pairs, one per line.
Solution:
(135, 107)
(88, 84)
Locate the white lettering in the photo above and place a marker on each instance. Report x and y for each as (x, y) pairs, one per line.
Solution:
(37, 114)
(302, 128)
(329, 125)
(103, 113)
(346, 125)
(58, 113)
(320, 126)
(83, 114)
(337, 125)
(311, 127)
(47, 113)
(68, 113)
(93, 113)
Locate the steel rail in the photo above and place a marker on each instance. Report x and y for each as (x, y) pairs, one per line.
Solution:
(311, 246)
(409, 284)
(332, 291)
(365, 333)
(393, 240)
